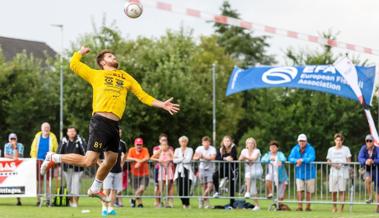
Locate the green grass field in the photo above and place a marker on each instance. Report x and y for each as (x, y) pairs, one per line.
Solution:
(8, 209)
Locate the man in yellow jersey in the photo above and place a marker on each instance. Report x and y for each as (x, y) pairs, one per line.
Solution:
(110, 88)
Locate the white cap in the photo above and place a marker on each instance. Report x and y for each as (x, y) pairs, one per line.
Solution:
(302, 137)
(12, 136)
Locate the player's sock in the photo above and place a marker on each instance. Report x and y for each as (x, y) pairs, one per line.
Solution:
(96, 186)
(57, 158)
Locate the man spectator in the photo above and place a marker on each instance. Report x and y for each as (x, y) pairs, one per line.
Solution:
(14, 150)
(72, 143)
(369, 159)
(113, 182)
(303, 154)
(338, 156)
(205, 154)
(43, 142)
(118, 202)
(139, 170)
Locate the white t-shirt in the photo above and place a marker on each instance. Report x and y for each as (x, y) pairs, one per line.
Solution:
(256, 152)
(206, 165)
(339, 156)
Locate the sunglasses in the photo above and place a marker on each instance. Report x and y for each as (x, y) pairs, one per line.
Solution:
(368, 140)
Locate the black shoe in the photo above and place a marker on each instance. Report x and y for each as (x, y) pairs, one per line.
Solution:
(132, 203)
(38, 203)
(19, 203)
(140, 206)
(48, 203)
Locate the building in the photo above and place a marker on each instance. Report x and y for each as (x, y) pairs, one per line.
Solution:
(11, 46)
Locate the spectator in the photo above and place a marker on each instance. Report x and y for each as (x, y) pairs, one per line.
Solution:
(165, 157)
(206, 154)
(163, 141)
(338, 156)
(43, 142)
(118, 202)
(303, 154)
(113, 181)
(253, 169)
(227, 170)
(139, 170)
(276, 170)
(183, 172)
(369, 159)
(72, 143)
(14, 150)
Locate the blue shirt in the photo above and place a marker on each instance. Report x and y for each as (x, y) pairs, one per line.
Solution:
(307, 170)
(8, 149)
(282, 174)
(43, 147)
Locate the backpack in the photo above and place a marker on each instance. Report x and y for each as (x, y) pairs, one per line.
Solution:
(242, 204)
(61, 198)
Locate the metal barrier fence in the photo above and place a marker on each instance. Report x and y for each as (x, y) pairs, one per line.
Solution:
(232, 180)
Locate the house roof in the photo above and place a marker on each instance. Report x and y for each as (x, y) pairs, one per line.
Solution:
(11, 46)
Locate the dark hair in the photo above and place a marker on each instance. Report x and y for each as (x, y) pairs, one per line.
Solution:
(206, 139)
(100, 57)
(339, 135)
(163, 135)
(222, 146)
(71, 127)
(274, 142)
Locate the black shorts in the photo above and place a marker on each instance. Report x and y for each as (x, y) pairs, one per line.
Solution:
(103, 134)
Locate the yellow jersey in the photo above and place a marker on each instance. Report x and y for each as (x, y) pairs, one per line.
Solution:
(110, 87)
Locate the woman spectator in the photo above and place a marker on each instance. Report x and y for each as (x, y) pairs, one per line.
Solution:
(183, 173)
(227, 170)
(276, 171)
(253, 169)
(165, 157)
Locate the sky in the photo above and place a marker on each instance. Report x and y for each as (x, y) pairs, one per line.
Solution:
(354, 21)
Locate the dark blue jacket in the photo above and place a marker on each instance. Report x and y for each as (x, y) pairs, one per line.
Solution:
(363, 156)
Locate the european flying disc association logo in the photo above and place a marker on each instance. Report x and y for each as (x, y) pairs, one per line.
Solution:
(279, 75)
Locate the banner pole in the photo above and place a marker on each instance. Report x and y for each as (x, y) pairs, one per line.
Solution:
(214, 103)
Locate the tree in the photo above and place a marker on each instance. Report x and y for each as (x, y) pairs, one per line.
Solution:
(171, 66)
(289, 112)
(246, 50)
(29, 96)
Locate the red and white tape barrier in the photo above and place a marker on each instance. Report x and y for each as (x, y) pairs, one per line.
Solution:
(164, 6)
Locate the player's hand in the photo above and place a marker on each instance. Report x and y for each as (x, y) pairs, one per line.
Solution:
(84, 50)
(171, 107)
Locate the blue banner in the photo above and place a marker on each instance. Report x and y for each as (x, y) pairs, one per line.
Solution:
(323, 78)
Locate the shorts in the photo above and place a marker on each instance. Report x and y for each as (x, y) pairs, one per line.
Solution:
(156, 175)
(103, 134)
(374, 176)
(206, 176)
(138, 181)
(305, 185)
(337, 184)
(253, 187)
(73, 181)
(113, 181)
